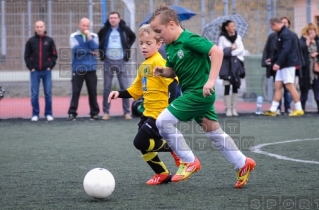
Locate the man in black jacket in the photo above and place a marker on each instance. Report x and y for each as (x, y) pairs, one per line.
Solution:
(285, 61)
(116, 40)
(40, 57)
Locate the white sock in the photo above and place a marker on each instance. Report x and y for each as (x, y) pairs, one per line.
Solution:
(227, 146)
(274, 106)
(298, 106)
(174, 138)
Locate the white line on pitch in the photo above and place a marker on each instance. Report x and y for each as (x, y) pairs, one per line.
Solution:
(257, 149)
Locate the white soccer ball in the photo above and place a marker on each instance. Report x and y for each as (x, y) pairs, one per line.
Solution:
(99, 183)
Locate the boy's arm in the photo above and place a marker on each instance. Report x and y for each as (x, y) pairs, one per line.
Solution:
(164, 72)
(216, 55)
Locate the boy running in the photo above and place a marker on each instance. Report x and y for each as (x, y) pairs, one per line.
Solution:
(188, 58)
(157, 93)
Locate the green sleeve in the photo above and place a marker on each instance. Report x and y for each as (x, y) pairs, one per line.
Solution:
(198, 44)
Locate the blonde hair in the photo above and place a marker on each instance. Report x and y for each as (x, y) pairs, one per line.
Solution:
(146, 28)
(309, 26)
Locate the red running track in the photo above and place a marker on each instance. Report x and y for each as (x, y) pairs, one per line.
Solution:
(21, 107)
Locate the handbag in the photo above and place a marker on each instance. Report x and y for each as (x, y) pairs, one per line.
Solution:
(316, 67)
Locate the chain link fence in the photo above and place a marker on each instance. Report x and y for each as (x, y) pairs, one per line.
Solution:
(62, 16)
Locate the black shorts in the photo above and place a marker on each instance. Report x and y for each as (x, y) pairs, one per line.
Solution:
(149, 125)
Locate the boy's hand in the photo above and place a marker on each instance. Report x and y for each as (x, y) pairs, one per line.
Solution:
(208, 88)
(113, 95)
(158, 71)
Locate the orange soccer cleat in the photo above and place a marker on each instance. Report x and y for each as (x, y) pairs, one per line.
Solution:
(244, 172)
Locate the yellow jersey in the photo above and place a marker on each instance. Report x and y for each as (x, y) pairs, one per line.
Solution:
(153, 89)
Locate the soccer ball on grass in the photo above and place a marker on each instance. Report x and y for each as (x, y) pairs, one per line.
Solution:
(99, 183)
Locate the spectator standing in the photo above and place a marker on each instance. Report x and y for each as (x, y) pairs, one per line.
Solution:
(285, 61)
(233, 64)
(84, 45)
(40, 57)
(116, 40)
(309, 43)
(268, 53)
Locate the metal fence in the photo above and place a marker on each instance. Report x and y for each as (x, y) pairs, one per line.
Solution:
(62, 17)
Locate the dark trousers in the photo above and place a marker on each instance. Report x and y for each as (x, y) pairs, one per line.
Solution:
(304, 94)
(90, 79)
(112, 68)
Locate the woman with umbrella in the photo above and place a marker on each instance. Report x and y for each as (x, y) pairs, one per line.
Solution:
(232, 69)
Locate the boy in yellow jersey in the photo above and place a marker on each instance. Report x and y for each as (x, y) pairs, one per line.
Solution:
(196, 61)
(157, 92)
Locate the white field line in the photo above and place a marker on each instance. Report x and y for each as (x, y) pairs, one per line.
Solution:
(257, 149)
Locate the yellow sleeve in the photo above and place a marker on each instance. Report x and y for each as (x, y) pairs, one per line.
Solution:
(135, 89)
(161, 62)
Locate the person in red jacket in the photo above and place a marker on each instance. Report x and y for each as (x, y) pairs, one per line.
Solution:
(40, 57)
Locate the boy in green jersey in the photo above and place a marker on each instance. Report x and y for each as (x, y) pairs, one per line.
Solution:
(196, 61)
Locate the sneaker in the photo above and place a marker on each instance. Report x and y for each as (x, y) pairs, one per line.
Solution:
(176, 159)
(127, 117)
(159, 179)
(35, 118)
(94, 117)
(185, 170)
(106, 117)
(278, 112)
(288, 111)
(297, 113)
(270, 113)
(49, 118)
(71, 117)
(244, 172)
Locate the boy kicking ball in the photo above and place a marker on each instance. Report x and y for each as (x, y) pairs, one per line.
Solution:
(156, 92)
(188, 58)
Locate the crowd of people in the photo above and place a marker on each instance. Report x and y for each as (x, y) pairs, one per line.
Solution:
(286, 57)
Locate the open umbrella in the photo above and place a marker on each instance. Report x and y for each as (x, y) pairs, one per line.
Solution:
(212, 30)
(183, 14)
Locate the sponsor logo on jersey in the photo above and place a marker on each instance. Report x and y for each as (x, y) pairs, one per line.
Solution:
(180, 54)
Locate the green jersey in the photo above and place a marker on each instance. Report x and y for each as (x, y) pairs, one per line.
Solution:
(188, 56)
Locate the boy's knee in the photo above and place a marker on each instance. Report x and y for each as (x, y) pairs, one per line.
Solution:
(137, 144)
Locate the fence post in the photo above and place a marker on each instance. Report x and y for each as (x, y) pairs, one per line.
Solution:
(112, 5)
(50, 17)
(203, 9)
(226, 4)
(151, 5)
(70, 21)
(234, 7)
(29, 18)
(3, 32)
(91, 14)
(308, 11)
(269, 16)
(104, 11)
(274, 8)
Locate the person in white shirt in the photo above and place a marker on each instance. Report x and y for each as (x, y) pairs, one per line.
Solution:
(231, 71)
